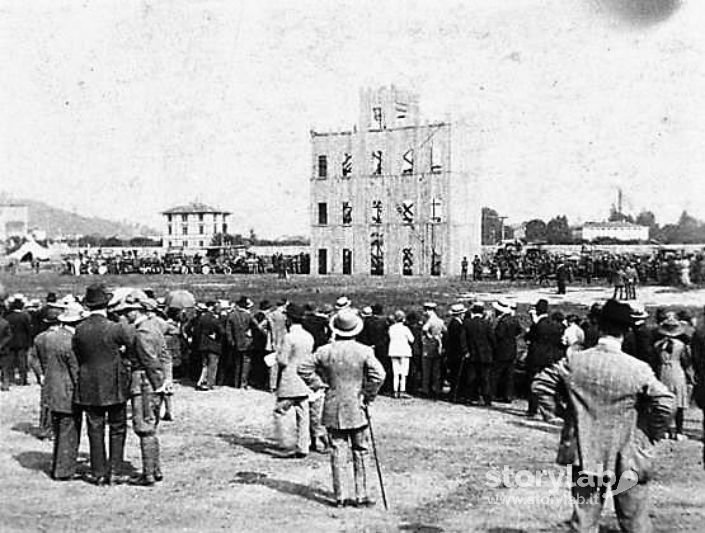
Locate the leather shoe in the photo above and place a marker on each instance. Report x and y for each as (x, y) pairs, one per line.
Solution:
(365, 502)
(142, 481)
(158, 476)
(119, 479)
(102, 481)
(296, 455)
(72, 477)
(167, 417)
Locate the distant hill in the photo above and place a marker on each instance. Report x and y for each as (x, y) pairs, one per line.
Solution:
(57, 222)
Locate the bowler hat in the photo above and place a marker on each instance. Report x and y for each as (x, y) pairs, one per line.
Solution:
(616, 313)
(97, 296)
(346, 323)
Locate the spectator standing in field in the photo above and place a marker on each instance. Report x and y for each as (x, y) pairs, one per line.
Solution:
(377, 330)
(639, 340)
(400, 342)
(208, 343)
(55, 351)
(413, 322)
(103, 383)
(353, 376)
(545, 340)
(21, 340)
(277, 319)
(481, 344)
(607, 429)
(456, 349)
(464, 269)
(618, 280)
(171, 353)
(292, 391)
(573, 336)
(5, 354)
(239, 330)
(432, 345)
(506, 331)
(146, 382)
(674, 361)
(698, 353)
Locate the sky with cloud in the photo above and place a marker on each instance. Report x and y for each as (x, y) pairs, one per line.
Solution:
(122, 108)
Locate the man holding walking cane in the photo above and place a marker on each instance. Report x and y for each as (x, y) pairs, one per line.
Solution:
(353, 376)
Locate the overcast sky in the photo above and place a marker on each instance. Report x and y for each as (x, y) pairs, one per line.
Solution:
(123, 108)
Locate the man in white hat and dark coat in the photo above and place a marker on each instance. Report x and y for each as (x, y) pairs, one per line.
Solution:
(103, 383)
(456, 348)
(353, 376)
(55, 352)
(506, 330)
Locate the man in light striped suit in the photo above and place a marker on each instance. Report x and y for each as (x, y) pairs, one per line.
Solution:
(614, 409)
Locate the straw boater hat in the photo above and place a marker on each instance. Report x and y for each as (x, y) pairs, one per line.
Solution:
(639, 311)
(346, 323)
(502, 306)
(73, 312)
(671, 326)
(366, 311)
(457, 309)
(430, 305)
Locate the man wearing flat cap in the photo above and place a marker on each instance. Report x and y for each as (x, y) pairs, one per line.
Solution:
(353, 376)
(103, 382)
(608, 429)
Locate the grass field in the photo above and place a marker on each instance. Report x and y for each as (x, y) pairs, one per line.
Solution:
(221, 472)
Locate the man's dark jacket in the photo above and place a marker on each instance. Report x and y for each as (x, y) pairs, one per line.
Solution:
(103, 378)
(455, 343)
(545, 339)
(480, 339)
(208, 333)
(21, 325)
(506, 331)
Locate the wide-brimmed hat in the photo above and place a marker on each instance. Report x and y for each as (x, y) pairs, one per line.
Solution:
(457, 309)
(295, 312)
(245, 303)
(346, 323)
(366, 311)
(73, 312)
(342, 302)
(264, 305)
(97, 296)
(135, 299)
(616, 313)
(671, 326)
(502, 306)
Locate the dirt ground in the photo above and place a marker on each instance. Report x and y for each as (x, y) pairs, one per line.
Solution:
(222, 471)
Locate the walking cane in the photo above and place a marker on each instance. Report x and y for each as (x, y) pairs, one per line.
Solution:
(374, 451)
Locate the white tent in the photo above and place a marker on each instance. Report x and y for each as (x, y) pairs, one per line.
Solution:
(29, 251)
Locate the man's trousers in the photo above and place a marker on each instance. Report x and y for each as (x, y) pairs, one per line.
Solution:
(67, 434)
(117, 422)
(145, 419)
(209, 369)
(503, 378)
(242, 362)
(339, 441)
(631, 506)
(431, 379)
(301, 409)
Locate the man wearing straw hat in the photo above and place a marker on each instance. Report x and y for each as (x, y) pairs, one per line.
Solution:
(456, 348)
(54, 349)
(353, 376)
(506, 331)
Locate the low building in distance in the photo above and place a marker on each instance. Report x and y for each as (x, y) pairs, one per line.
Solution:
(394, 195)
(192, 226)
(618, 231)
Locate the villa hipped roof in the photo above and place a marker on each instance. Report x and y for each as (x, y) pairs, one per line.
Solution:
(193, 207)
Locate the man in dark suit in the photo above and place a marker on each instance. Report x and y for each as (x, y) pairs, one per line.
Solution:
(103, 383)
(545, 339)
(207, 342)
(5, 355)
(239, 328)
(506, 331)
(481, 347)
(608, 429)
(455, 349)
(21, 327)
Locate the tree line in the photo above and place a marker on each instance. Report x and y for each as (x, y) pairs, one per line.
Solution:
(558, 230)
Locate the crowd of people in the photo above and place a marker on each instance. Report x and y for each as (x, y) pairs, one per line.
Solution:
(94, 354)
(659, 267)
